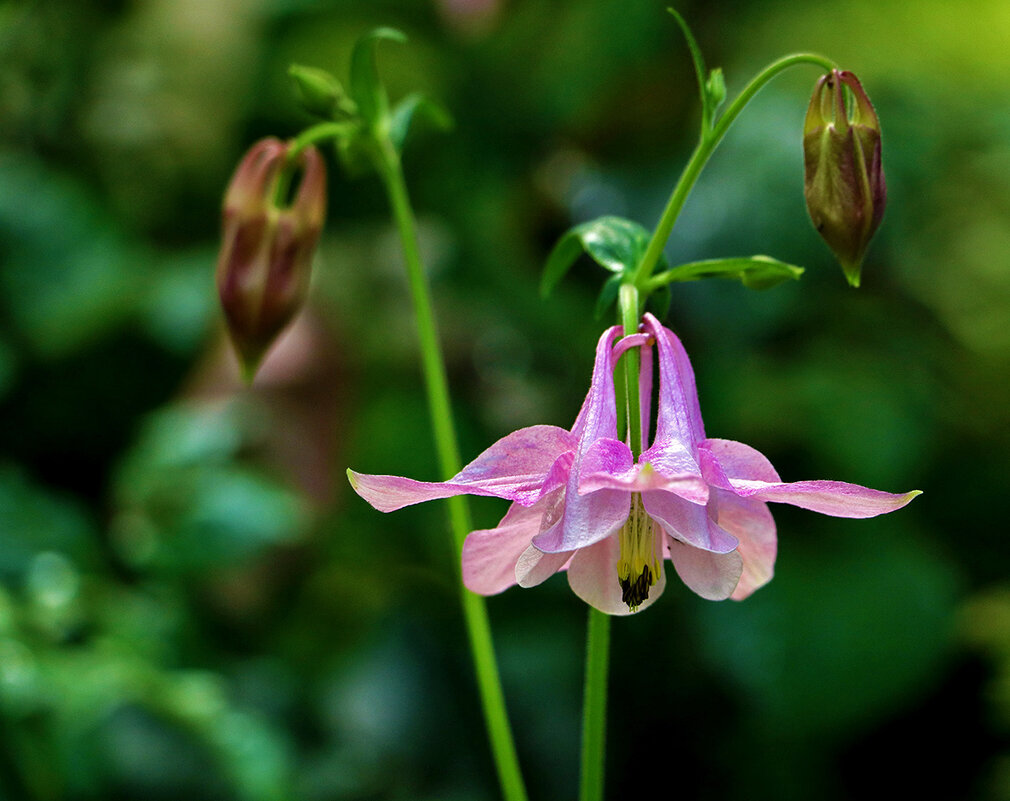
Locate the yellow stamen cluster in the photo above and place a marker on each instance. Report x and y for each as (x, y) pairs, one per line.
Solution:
(637, 565)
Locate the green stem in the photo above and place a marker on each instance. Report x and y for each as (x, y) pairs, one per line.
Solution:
(594, 706)
(703, 151)
(594, 700)
(317, 133)
(631, 315)
(437, 385)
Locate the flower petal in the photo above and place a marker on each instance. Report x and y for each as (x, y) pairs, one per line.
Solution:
(751, 475)
(738, 460)
(586, 519)
(515, 467)
(751, 523)
(608, 465)
(490, 555)
(835, 498)
(592, 576)
(688, 522)
(598, 416)
(679, 415)
(713, 576)
(535, 567)
(645, 394)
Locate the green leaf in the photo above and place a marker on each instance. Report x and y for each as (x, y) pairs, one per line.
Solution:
(561, 257)
(366, 89)
(659, 301)
(614, 243)
(608, 295)
(403, 115)
(708, 111)
(754, 272)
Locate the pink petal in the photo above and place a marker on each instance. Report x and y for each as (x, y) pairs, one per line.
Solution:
(598, 416)
(679, 414)
(688, 522)
(490, 555)
(515, 467)
(752, 524)
(835, 498)
(586, 519)
(740, 461)
(593, 577)
(751, 475)
(535, 567)
(645, 394)
(608, 465)
(713, 576)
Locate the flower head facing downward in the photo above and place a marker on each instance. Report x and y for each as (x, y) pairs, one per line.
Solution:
(267, 244)
(843, 173)
(583, 504)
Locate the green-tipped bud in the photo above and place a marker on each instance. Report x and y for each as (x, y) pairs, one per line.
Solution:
(844, 178)
(320, 93)
(267, 244)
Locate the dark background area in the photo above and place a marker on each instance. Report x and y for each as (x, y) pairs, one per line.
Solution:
(194, 604)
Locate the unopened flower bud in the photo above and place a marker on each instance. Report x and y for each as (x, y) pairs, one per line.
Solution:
(844, 178)
(320, 93)
(267, 244)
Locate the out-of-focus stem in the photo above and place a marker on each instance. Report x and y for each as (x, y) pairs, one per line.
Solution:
(437, 386)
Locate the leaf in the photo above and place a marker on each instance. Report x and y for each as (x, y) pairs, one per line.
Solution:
(403, 115)
(754, 272)
(614, 243)
(608, 295)
(659, 301)
(366, 89)
(708, 110)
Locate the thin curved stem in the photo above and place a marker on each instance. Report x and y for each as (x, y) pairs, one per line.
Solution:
(437, 386)
(317, 133)
(703, 151)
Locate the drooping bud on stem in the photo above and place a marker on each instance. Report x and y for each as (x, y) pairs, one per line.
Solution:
(267, 244)
(844, 178)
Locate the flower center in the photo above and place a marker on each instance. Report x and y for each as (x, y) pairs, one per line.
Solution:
(637, 566)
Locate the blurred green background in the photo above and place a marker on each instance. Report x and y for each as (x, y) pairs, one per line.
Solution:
(192, 602)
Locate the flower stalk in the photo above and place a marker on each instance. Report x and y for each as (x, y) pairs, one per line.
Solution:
(710, 138)
(594, 706)
(439, 407)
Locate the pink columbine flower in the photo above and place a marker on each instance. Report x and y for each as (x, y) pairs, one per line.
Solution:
(582, 503)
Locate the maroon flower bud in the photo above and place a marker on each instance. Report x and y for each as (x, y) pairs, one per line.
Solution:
(844, 178)
(267, 244)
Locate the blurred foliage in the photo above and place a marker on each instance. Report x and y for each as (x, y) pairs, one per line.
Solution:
(192, 603)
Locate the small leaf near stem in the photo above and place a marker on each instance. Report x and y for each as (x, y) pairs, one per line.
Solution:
(754, 272)
(707, 112)
(366, 89)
